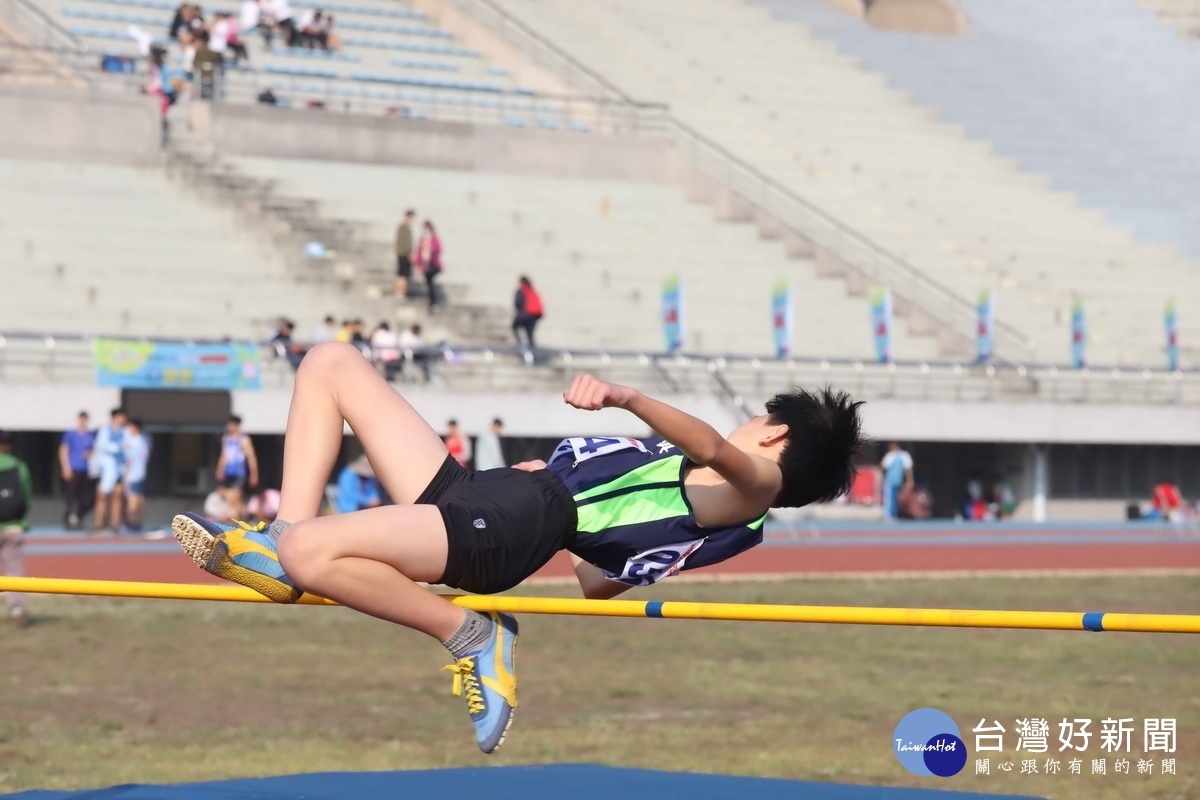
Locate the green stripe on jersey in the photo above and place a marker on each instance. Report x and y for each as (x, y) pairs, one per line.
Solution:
(662, 471)
(633, 508)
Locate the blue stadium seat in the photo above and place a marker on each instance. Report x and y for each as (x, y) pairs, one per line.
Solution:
(402, 30)
(304, 52)
(412, 47)
(433, 65)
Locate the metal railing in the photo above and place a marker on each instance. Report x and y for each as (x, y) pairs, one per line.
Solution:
(744, 381)
(940, 302)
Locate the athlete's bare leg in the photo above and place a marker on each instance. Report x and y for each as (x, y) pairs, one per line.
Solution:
(368, 560)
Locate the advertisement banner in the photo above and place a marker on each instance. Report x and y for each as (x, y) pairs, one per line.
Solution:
(130, 364)
(1078, 335)
(1171, 324)
(987, 324)
(781, 318)
(881, 323)
(672, 309)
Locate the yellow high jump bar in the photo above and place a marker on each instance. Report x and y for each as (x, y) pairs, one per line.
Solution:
(743, 612)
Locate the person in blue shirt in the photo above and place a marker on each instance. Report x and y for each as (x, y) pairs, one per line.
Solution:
(74, 457)
(357, 487)
(137, 457)
(630, 512)
(238, 462)
(110, 461)
(897, 466)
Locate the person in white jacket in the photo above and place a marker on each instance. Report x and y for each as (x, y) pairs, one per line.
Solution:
(488, 452)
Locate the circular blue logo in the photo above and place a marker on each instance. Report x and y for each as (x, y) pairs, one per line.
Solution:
(927, 742)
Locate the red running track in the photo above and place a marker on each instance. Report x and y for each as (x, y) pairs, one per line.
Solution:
(776, 560)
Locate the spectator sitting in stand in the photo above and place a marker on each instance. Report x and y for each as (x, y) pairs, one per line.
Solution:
(225, 38)
(280, 12)
(281, 341)
(356, 336)
(412, 343)
(311, 33)
(385, 349)
(326, 332)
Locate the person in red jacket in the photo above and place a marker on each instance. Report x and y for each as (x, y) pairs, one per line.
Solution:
(528, 304)
(456, 445)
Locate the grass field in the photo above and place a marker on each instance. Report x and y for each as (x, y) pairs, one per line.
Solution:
(103, 692)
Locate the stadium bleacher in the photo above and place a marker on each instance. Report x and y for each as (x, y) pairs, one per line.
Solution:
(122, 249)
(373, 33)
(786, 100)
(600, 272)
(992, 81)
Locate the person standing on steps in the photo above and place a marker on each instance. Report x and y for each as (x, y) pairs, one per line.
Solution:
(404, 251)
(528, 305)
(429, 261)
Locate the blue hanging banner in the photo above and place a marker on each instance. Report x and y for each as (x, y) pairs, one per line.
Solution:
(881, 323)
(1171, 324)
(984, 348)
(781, 318)
(1078, 334)
(176, 365)
(672, 309)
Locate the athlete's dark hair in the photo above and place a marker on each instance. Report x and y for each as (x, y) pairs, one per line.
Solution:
(823, 441)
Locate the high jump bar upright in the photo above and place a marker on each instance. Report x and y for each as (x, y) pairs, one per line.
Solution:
(742, 612)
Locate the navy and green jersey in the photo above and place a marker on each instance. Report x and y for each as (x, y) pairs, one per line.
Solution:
(635, 521)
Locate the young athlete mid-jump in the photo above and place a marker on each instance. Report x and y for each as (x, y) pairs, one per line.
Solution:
(630, 512)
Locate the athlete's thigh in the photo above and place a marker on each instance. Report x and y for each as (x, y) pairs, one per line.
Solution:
(404, 450)
(412, 539)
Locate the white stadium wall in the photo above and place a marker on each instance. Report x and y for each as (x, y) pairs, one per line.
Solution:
(43, 406)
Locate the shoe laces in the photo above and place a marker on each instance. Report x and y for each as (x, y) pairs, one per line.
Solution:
(246, 526)
(465, 680)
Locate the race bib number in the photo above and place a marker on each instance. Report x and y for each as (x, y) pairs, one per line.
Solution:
(581, 448)
(652, 566)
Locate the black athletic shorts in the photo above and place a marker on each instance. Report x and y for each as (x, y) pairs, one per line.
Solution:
(403, 267)
(502, 525)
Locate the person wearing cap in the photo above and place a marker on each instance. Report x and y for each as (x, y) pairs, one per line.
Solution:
(16, 498)
(357, 487)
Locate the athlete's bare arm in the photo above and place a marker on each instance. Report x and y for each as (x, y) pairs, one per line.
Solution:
(755, 478)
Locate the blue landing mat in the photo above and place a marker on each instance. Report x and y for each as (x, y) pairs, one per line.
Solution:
(574, 781)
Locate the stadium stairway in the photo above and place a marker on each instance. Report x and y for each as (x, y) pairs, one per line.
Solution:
(346, 260)
(794, 106)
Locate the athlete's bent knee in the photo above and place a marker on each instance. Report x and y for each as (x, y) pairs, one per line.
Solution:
(326, 357)
(304, 557)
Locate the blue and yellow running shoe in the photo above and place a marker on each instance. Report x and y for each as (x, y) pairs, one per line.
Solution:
(240, 553)
(487, 677)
